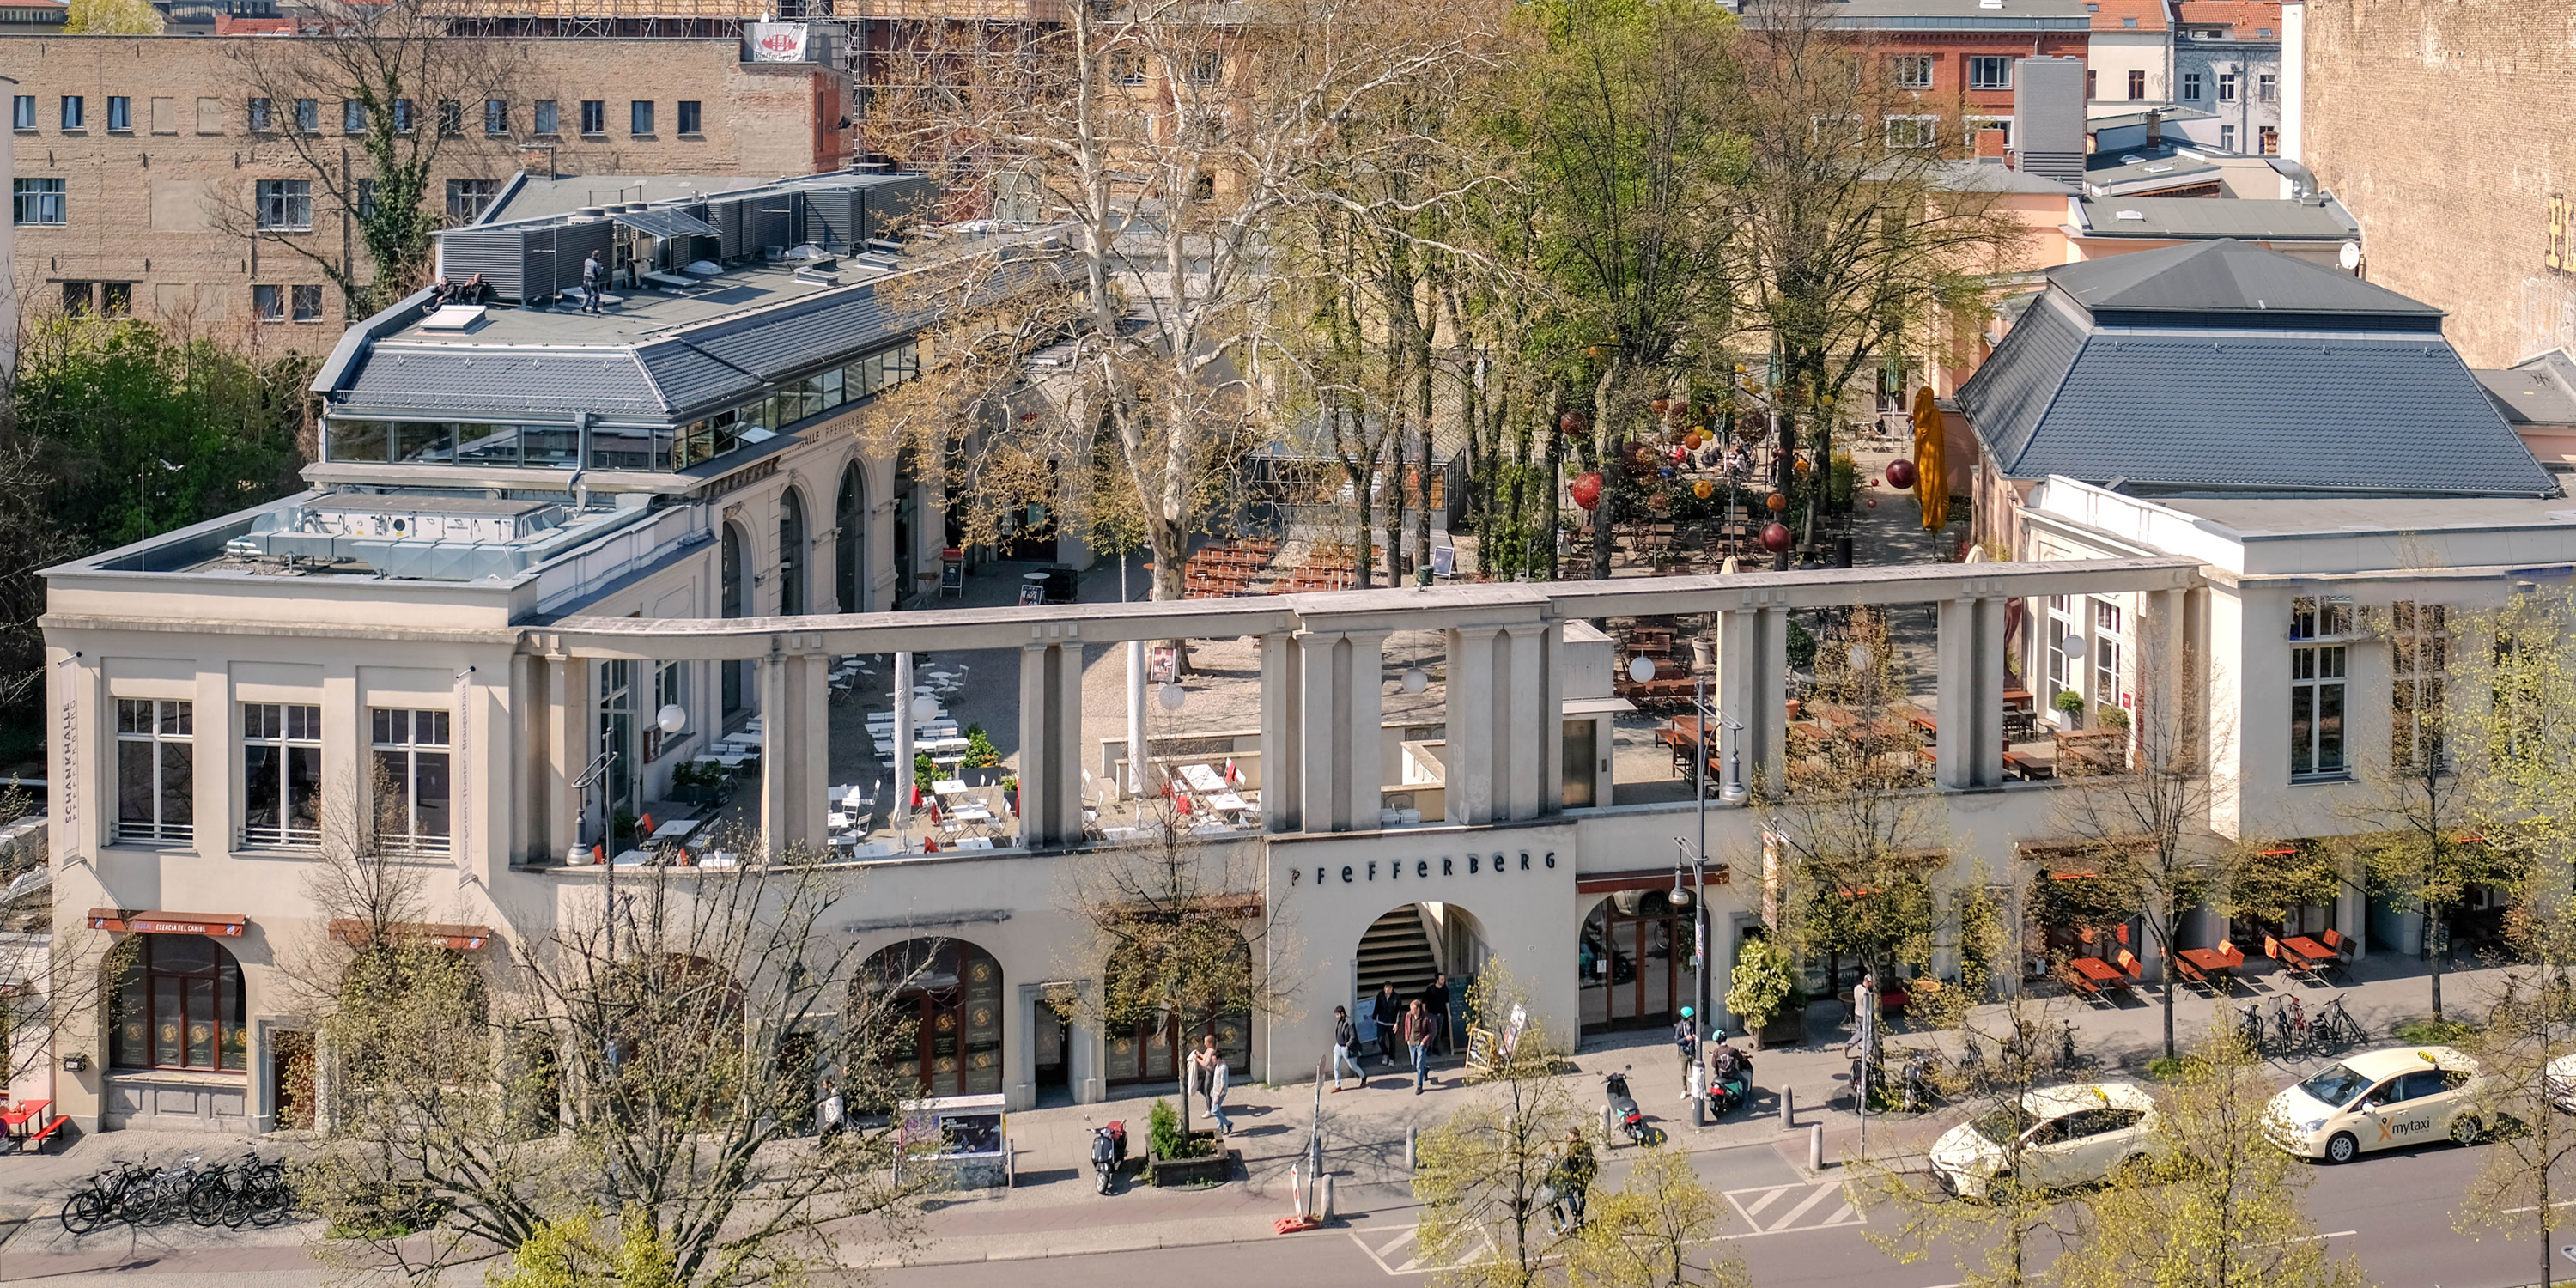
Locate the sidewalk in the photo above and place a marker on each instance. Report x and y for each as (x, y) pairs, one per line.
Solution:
(1053, 1210)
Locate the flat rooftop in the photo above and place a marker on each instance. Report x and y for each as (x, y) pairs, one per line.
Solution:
(2260, 517)
(2198, 218)
(542, 198)
(641, 316)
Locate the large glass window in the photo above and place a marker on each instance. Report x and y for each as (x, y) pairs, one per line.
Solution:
(2420, 664)
(2316, 711)
(1911, 71)
(617, 730)
(285, 204)
(155, 770)
(791, 554)
(37, 201)
(412, 776)
(281, 774)
(73, 114)
(1989, 72)
(177, 1004)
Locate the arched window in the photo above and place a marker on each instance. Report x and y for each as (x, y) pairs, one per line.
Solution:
(791, 553)
(849, 516)
(729, 573)
(178, 1005)
(948, 994)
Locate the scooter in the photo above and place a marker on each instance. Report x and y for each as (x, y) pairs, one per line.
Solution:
(1108, 1151)
(1727, 1092)
(1624, 1111)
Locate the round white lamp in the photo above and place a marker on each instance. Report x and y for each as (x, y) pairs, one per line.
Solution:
(672, 718)
(1641, 668)
(1860, 657)
(925, 709)
(1416, 680)
(1172, 697)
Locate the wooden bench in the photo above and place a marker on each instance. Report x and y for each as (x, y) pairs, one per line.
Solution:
(34, 1142)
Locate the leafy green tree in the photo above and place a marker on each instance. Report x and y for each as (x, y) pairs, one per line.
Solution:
(112, 18)
(2531, 1148)
(1658, 1230)
(1482, 1173)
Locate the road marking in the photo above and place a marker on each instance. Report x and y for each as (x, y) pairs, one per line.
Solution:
(1411, 1265)
(1757, 1206)
(1805, 1205)
(2520, 1210)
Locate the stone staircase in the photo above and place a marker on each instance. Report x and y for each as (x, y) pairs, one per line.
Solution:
(1396, 947)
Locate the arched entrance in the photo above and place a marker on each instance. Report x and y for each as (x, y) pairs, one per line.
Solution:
(791, 553)
(1412, 947)
(1633, 956)
(949, 993)
(729, 574)
(849, 545)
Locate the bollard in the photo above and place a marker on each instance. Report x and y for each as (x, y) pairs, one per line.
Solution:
(1699, 1111)
(1815, 1147)
(1324, 1203)
(1788, 1108)
(1410, 1135)
(1296, 1199)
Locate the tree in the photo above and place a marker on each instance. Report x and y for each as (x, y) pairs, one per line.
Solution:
(1844, 239)
(646, 1067)
(1481, 1173)
(1623, 112)
(1174, 929)
(2220, 1205)
(2418, 840)
(398, 81)
(1859, 837)
(1659, 1230)
(1168, 139)
(2530, 1146)
(112, 18)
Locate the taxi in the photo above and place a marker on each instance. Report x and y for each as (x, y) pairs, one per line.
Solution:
(2057, 1137)
(2379, 1100)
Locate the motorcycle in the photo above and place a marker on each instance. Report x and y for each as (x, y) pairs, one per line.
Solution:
(1108, 1151)
(1624, 1111)
(1728, 1091)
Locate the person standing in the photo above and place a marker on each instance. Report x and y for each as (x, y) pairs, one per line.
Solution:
(592, 274)
(1417, 1035)
(1435, 999)
(830, 1116)
(1345, 1036)
(1386, 1009)
(1686, 1039)
(1207, 1069)
(1572, 1177)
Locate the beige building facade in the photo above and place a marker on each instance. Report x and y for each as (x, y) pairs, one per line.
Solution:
(142, 185)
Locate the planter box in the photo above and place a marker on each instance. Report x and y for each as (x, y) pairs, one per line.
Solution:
(1783, 1030)
(1209, 1169)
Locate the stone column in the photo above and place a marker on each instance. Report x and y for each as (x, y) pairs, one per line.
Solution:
(1282, 793)
(1339, 718)
(793, 753)
(1529, 721)
(564, 686)
(903, 784)
(1363, 678)
(1969, 748)
(1752, 688)
(1546, 646)
(1478, 738)
(1051, 738)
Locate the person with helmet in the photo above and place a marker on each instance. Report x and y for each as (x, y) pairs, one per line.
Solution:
(1686, 1038)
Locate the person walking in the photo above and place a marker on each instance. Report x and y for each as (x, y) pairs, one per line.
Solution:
(1417, 1035)
(592, 275)
(1386, 1010)
(1686, 1039)
(831, 1115)
(1207, 1069)
(1571, 1178)
(1345, 1036)
(1435, 999)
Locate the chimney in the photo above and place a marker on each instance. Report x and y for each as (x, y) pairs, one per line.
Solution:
(2155, 129)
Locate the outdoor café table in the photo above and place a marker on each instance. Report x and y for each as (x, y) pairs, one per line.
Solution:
(676, 829)
(971, 813)
(2097, 970)
(2210, 961)
(949, 787)
(1226, 802)
(633, 859)
(2310, 953)
(19, 1116)
(1202, 778)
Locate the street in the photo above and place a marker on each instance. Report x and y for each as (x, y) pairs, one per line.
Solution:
(2394, 1211)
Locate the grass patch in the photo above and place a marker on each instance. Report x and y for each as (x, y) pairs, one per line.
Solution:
(2431, 1032)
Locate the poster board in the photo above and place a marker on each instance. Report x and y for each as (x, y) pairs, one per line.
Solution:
(1481, 1046)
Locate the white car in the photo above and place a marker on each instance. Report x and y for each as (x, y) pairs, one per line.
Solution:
(2379, 1100)
(2055, 1138)
(2558, 1082)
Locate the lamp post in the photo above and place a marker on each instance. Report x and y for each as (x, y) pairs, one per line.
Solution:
(608, 862)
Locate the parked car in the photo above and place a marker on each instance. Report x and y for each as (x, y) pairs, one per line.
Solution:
(2379, 1100)
(2558, 1082)
(2056, 1138)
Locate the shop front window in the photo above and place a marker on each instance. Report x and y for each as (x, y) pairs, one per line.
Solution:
(177, 1004)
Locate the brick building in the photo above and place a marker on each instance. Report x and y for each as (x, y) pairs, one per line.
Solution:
(2473, 217)
(1957, 55)
(140, 181)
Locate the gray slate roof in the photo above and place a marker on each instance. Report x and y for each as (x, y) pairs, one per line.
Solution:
(2538, 390)
(2162, 375)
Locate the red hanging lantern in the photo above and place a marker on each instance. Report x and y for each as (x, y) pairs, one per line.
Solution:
(1586, 490)
(1900, 475)
(1775, 538)
(1873, 503)
(1659, 502)
(1661, 405)
(1704, 489)
(1778, 503)
(1574, 423)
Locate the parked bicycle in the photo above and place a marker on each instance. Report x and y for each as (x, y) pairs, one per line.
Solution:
(254, 1191)
(2336, 1027)
(2290, 1025)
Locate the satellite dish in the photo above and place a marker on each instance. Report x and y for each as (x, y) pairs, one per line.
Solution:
(2349, 256)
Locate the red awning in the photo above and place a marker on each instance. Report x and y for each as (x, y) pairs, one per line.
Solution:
(2071, 876)
(223, 925)
(461, 938)
(1645, 879)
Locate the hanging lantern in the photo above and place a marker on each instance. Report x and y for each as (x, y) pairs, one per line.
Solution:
(1586, 490)
(1775, 538)
(1574, 423)
(1900, 475)
(1592, 352)
(1804, 465)
(1659, 502)
(1778, 503)
(1704, 489)
(1873, 503)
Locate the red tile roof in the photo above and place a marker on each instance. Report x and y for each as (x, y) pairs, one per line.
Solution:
(2248, 19)
(2108, 13)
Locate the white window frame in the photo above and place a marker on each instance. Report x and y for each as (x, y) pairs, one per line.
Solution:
(405, 741)
(2227, 87)
(299, 728)
(1980, 63)
(2320, 682)
(1910, 71)
(1926, 134)
(2419, 670)
(159, 726)
(284, 205)
(2191, 85)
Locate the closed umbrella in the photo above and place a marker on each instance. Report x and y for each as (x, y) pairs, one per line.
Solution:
(1931, 475)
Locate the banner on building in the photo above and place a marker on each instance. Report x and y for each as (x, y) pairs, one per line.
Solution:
(777, 42)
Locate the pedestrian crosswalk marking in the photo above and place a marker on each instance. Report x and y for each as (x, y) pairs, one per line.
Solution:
(1384, 1254)
(1800, 1200)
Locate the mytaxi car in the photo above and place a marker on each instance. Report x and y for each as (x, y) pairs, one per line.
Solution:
(2055, 1138)
(2379, 1100)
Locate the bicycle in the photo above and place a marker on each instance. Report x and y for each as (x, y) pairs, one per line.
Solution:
(2289, 1025)
(91, 1208)
(2337, 1026)
(2249, 1027)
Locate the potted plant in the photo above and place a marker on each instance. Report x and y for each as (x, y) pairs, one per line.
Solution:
(980, 752)
(2069, 704)
(1764, 993)
(2112, 718)
(1175, 1158)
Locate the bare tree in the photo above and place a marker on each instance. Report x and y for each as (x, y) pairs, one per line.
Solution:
(1484, 1171)
(648, 1066)
(369, 103)
(1167, 138)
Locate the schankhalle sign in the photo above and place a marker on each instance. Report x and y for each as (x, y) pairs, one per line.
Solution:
(1494, 864)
